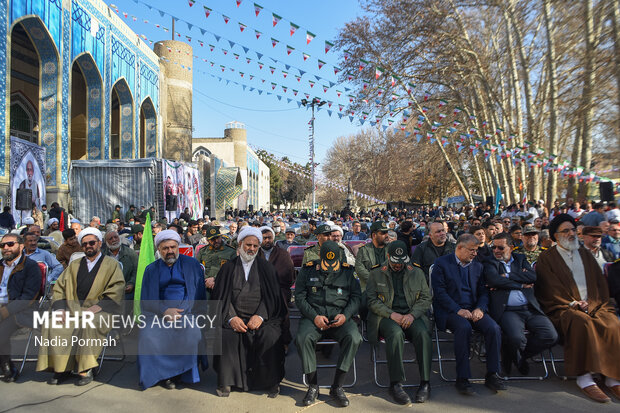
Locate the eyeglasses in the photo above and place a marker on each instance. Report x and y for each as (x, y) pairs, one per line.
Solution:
(89, 244)
(498, 247)
(567, 230)
(9, 244)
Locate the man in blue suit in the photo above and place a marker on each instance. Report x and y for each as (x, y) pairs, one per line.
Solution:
(460, 302)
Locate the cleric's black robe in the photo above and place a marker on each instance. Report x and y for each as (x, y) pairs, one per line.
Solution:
(255, 359)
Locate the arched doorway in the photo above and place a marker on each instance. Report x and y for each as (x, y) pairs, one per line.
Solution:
(121, 125)
(148, 129)
(24, 122)
(86, 109)
(34, 110)
(78, 132)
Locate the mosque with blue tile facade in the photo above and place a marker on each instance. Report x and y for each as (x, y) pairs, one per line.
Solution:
(79, 83)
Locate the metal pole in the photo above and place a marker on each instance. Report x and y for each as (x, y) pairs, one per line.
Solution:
(312, 162)
(173, 28)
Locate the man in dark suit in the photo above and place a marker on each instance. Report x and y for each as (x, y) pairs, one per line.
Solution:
(20, 283)
(514, 306)
(460, 302)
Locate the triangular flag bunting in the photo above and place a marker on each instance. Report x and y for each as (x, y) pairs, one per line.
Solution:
(275, 19)
(293, 28)
(257, 9)
(328, 46)
(309, 37)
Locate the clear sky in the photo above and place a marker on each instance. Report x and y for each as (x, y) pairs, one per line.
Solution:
(276, 125)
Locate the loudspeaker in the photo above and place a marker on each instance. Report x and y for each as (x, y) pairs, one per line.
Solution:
(171, 203)
(607, 191)
(388, 206)
(489, 200)
(251, 208)
(24, 199)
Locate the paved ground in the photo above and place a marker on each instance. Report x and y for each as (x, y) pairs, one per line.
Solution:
(116, 390)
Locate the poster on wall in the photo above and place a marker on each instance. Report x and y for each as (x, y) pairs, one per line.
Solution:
(181, 190)
(27, 172)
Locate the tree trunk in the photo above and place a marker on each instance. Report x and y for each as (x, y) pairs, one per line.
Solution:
(587, 106)
(553, 100)
(615, 24)
(571, 191)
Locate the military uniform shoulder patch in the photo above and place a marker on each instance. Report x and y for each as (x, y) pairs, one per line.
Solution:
(375, 266)
(417, 265)
(409, 267)
(309, 263)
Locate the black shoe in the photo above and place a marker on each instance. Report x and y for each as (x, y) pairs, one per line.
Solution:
(399, 395)
(273, 392)
(494, 382)
(523, 366)
(85, 379)
(337, 392)
(168, 384)
(423, 393)
(10, 373)
(223, 391)
(311, 395)
(5, 369)
(464, 387)
(58, 378)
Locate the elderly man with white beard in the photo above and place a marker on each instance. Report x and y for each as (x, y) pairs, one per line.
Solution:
(126, 256)
(172, 290)
(251, 316)
(573, 292)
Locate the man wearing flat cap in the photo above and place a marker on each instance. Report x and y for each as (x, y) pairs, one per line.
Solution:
(289, 239)
(172, 289)
(251, 317)
(398, 299)
(305, 235)
(574, 294)
(93, 284)
(592, 242)
(530, 247)
(323, 233)
(214, 256)
(328, 296)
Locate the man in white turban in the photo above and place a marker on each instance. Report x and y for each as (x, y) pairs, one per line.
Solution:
(172, 289)
(92, 286)
(251, 317)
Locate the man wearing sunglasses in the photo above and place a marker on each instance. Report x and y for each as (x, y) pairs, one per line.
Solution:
(513, 306)
(93, 284)
(20, 282)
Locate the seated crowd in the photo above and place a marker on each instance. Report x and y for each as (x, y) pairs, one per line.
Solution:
(525, 280)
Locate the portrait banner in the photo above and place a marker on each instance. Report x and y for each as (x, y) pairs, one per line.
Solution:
(181, 190)
(27, 172)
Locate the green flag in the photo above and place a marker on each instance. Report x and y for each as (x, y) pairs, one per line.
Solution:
(147, 256)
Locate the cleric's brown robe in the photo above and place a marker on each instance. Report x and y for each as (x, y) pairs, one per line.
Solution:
(109, 283)
(591, 342)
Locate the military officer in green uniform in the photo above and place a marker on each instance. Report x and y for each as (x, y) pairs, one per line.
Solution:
(215, 255)
(305, 235)
(322, 233)
(398, 300)
(369, 257)
(530, 247)
(327, 296)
